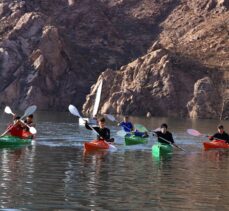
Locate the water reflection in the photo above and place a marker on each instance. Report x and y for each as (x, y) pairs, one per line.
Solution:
(17, 168)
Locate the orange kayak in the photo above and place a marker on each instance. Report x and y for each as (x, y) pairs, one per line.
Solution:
(96, 145)
(216, 144)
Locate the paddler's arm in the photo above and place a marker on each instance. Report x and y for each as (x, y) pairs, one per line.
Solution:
(171, 139)
(212, 137)
(107, 133)
(95, 128)
(87, 126)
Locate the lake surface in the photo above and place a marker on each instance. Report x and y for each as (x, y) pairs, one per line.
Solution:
(54, 173)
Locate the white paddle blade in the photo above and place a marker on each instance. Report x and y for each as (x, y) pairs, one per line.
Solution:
(157, 129)
(193, 132)
(121, 133)
(140, 128)
(73, 110)
(32, 130)
(110, 117)
(112, 148)
(8, 110)
(97, 99)
(30, 110)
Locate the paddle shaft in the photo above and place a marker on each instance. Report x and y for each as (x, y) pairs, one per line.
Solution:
(169, 142)
(194, 132)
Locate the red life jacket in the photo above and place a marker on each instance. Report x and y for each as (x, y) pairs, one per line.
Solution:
(18, 131)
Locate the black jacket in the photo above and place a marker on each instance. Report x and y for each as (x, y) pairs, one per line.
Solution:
(167, 136)
(104, 133)
(221, 136)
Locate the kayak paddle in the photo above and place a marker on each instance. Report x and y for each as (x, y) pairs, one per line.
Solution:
(8, 110)
(194, 132)
(140, 128)
(112, 118)
(172, 144)
(73, 110)
(30, 110)
(121, 133)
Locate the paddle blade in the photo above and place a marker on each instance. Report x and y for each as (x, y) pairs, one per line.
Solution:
(121, 133)
(8, 110)
(73, 110)
(30, 110)
(112, 148)
(32, 130)
(97, 99)
(140, 128)
(193, 132)
(110, 117)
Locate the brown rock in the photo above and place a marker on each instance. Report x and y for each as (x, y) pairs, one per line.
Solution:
(150, 84)
(53, 52)
(206, 100)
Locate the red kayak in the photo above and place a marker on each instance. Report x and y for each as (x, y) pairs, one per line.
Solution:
(98, 145)
(216, 144)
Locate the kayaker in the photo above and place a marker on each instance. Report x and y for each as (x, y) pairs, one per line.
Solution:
(164, 136)
(129, 128)
(16, 128)
(104, 132)
(221, 135)
(29, 121)
(126, 125)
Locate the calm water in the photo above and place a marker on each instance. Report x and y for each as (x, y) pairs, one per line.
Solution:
(55, 174)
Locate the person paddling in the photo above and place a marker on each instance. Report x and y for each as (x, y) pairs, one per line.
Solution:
(126, 125)
(16, 128)
(164, 136)
(29, 121)
(104, 132)
(221, 135)
(129, 128)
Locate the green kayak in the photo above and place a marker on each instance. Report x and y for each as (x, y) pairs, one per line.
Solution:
(7, 141)
(132, 140)
(161, 149)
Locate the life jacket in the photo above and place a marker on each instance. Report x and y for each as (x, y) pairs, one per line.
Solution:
(19, 131)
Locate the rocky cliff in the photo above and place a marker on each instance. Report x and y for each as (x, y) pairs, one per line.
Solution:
(159, 83)
(52, 52)
(186, 75)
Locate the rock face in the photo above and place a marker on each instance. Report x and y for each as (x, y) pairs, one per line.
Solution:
(159, 83)
(205, 103)
(52, 52)
(171, 85)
